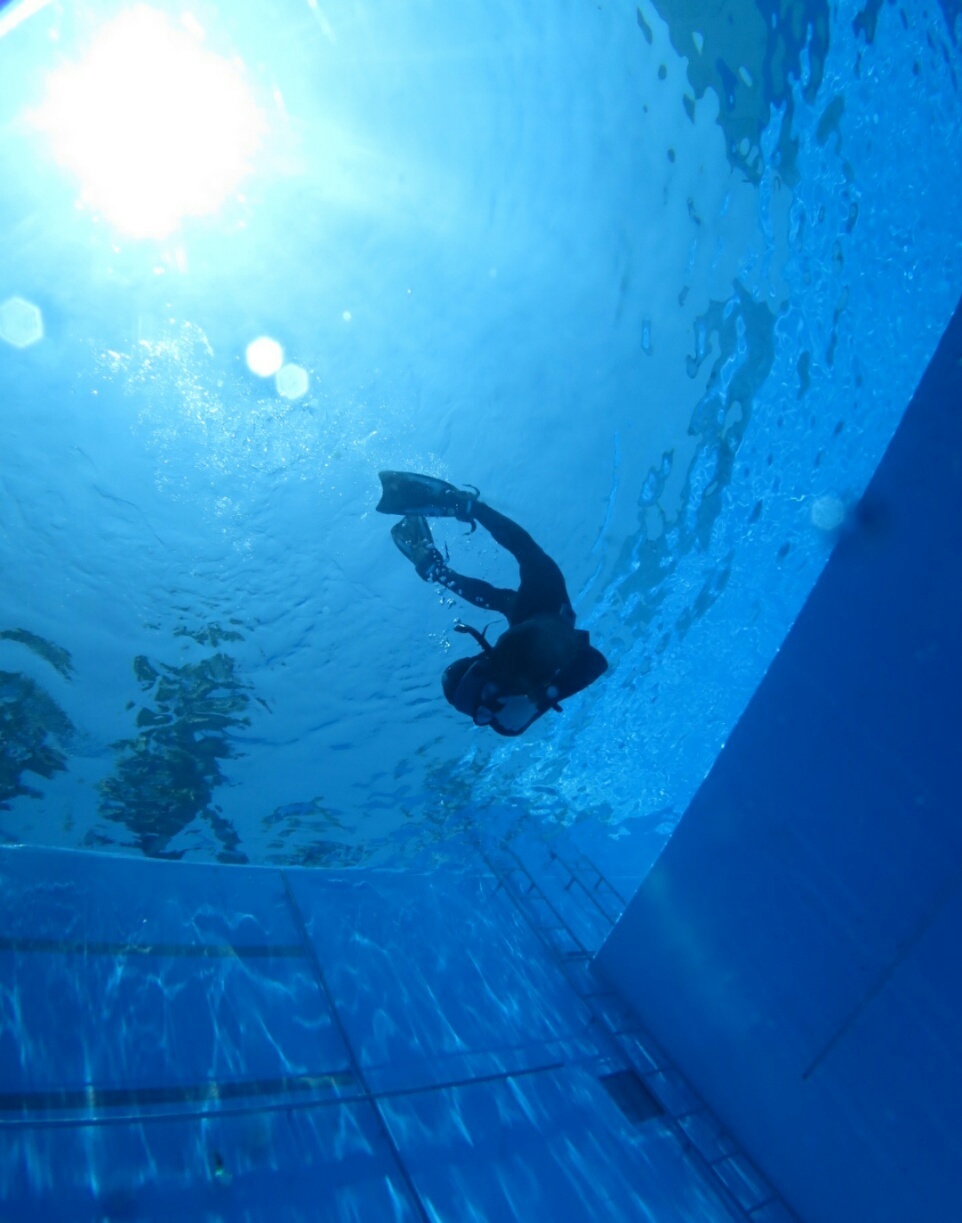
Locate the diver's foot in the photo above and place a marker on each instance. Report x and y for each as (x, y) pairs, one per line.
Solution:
(408, 492)
(412, 535)
(466, 500)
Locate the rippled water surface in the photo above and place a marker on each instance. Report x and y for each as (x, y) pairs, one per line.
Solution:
(660, 281)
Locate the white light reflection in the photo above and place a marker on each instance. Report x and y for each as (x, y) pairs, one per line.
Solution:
(155, 127)
(16, 13)
(291, 381)
(264, 356)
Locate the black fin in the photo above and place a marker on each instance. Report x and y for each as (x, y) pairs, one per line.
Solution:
(407, 492)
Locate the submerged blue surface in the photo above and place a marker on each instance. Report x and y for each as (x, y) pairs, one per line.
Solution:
(795, 947)
(364, 1045)
(660, 285)
(660, 279)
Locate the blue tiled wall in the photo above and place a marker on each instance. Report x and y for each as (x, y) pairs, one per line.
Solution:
(225, 1042)
(796, 948)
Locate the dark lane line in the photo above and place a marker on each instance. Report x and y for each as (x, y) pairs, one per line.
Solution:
(189, 1093)
(196, 951)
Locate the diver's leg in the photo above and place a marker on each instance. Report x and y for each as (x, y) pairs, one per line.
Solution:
(542, 588)
(412, 535)
(474, 590)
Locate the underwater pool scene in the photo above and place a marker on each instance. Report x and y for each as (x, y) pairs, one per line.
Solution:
(480, 575)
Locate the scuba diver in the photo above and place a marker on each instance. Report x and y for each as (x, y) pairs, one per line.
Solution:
(541, 658)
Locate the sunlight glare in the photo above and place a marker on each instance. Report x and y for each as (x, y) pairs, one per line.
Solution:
(155, 127)
(264, 356)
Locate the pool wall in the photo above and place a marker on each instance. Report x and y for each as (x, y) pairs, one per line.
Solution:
(796, 947)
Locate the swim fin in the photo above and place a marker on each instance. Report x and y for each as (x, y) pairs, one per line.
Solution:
(406, 492)
(413, 537)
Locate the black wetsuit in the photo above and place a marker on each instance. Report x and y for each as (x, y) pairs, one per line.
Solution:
(541, 657)
(541, 591)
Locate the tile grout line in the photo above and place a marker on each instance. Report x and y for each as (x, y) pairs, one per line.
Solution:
(607, 1043)
(590, 892)
(301, 926)
(276, 1104)
(200, 951)
(703, 1165)
(902, 952)
(535, 886)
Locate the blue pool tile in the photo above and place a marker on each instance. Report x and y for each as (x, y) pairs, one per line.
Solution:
(673, 1092)
(615, 1014)
(436, 977)
(551, 1145)
(470, 1067)
(516, 880)
(48, 896)
(609, 901)
(70, 1021)
(578, 972)
(575, 905)
(707, 1135)
(642, 1052)
(594, 883)
(562, 943)
(622, 855)
(330, 1162)
(746, 1183)
(774, 1212)
(540, 914)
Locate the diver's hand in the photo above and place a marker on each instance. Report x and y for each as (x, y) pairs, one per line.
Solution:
(461, 627)
(464, 510)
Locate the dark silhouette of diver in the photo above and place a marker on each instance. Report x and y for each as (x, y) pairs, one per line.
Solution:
(541, 658)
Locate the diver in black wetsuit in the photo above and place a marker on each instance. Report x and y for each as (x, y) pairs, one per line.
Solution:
(541, 658)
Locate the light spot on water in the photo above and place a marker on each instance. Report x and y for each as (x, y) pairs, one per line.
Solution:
(264, 356)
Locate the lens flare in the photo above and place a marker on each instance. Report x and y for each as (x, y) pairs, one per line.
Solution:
(264, 356)
(291, 382)
(155, 127)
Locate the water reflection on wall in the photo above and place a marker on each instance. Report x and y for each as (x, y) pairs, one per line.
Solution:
(164, 777)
